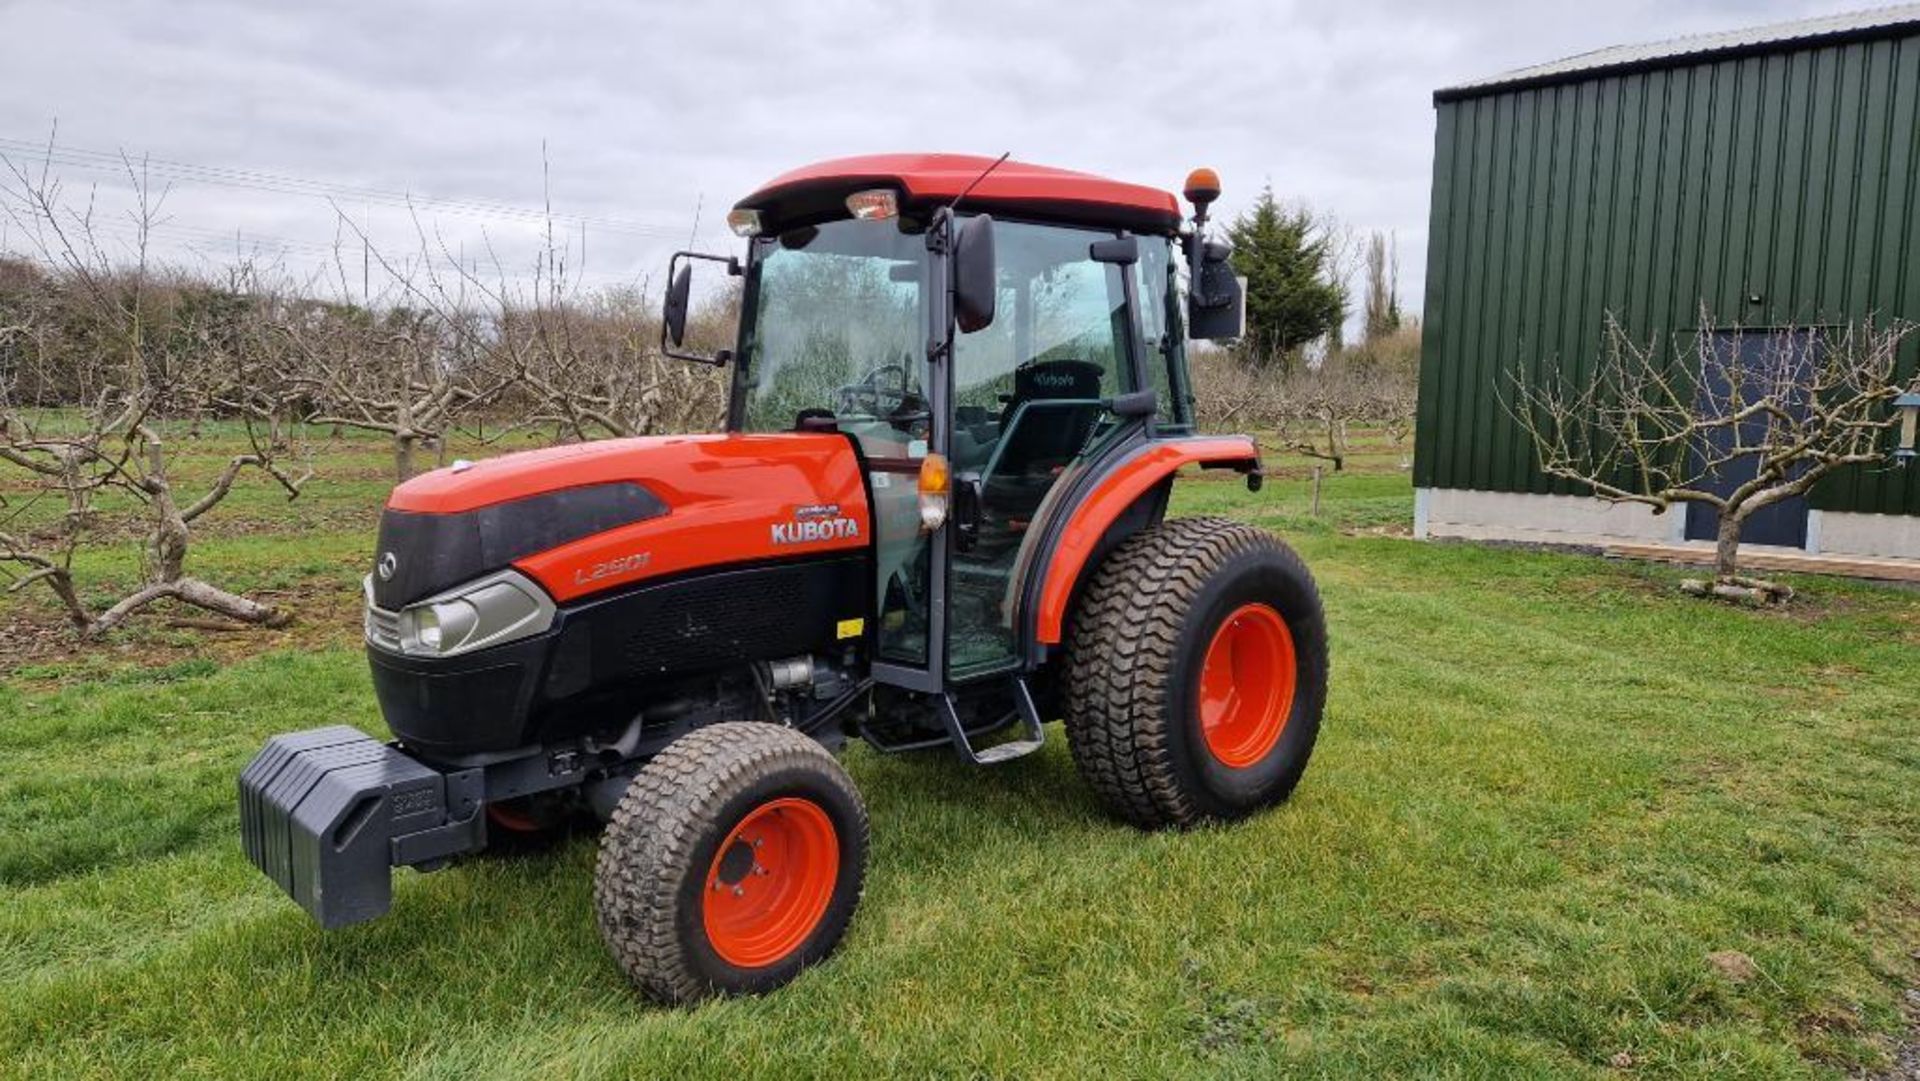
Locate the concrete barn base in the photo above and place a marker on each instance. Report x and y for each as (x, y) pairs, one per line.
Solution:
(1585, 522)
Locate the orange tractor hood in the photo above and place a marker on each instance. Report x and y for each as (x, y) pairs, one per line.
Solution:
(729, 499)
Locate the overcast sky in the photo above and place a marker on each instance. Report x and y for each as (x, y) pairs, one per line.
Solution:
(649, 110)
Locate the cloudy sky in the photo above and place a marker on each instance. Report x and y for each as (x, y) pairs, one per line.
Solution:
(264, 121)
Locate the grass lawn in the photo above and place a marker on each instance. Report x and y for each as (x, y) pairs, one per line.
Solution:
(1549, 797)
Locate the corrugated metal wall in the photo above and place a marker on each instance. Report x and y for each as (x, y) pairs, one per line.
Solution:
(1791, 176)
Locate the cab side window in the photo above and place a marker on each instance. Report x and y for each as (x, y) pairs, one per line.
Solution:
(1161, 331)
(1057, 339)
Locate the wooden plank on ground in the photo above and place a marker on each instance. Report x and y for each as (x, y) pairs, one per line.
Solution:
(1775, 559)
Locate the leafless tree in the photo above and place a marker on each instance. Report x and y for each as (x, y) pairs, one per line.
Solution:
(590, 366)
(581, 364)
(1665, 427)
(589, 362)
(125, 381)
(396, 371)
(1393, 400)
(1318, 407)
(1384, 371)
(404, 360)
(1312, 412)
(1383, 298)
(1231, 395)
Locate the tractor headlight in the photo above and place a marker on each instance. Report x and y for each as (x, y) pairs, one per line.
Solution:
(424, 627)
(499, 608)
(442, 626)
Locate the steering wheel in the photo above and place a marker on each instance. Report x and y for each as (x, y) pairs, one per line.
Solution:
(870, 393)
(899, 405)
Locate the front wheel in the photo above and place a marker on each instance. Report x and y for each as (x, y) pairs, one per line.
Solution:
(1196, 673)
(734, 860)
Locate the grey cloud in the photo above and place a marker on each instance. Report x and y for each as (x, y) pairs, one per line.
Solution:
(647, 108)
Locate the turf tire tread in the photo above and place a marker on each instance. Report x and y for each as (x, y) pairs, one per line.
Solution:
(649, 844)
(1121, 647)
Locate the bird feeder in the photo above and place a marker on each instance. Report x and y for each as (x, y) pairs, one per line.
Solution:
(1909, 446)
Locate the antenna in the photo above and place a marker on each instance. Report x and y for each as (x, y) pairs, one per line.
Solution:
(975, 182)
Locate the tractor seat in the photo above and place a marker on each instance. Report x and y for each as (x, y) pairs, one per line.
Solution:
(1038, 441)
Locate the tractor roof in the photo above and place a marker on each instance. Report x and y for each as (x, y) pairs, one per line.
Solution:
(817, 192)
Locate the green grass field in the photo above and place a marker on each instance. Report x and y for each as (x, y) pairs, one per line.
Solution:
(1548, 790)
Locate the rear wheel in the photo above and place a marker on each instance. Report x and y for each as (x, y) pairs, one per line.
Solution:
(734, 860)
(1196, 673)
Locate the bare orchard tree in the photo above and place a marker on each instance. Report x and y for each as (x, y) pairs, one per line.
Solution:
(1393, 399)
(591, 367)
(402, 372)
(1387, 368)
(1715, 423)
(1310, 411)
(1318, 408)
(589, 362)
(1229, 395)
(124, 378)
(578, 363)
(236, 363)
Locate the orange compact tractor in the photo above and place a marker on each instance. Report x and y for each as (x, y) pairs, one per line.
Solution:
(936, 518)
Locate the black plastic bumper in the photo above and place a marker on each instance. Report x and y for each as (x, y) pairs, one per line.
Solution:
(604, 655)
(329, 812)
(472, 704)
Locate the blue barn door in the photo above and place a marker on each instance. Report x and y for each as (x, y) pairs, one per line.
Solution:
(1784, 523)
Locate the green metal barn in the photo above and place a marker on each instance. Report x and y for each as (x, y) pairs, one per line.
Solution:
(1769, 175)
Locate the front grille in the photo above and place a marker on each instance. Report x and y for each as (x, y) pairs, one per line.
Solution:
(383, 627)
(712, 622)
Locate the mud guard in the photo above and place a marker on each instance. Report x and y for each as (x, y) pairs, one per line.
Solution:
(1116, 491)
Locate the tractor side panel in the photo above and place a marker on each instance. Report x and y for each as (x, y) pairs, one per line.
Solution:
(1112, 497)
(665, 464)
(732, 500)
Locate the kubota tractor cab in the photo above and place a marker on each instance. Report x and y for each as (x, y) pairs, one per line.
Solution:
(936, 518)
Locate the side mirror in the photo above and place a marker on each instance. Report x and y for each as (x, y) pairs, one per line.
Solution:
(1216, 301)
(678, 292)
(679, 302)
(974, 288)
(1141, 403)
(1119, 250)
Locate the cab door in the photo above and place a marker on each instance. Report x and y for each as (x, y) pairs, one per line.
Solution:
(1029, 403)
(836, 321)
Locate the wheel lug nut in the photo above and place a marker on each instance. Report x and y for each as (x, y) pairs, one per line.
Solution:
(759, 870)
(738, 892)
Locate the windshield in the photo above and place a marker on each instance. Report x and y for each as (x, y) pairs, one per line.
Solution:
(838, 326)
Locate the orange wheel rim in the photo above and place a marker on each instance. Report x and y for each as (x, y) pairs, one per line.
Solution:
(770, 882)
(1246, 685)
(512, 820)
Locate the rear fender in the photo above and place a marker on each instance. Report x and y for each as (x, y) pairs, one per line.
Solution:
(1111, 502)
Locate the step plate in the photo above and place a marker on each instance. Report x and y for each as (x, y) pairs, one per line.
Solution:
(1003, 752)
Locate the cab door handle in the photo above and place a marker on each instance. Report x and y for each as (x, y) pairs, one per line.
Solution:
(966, 511)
